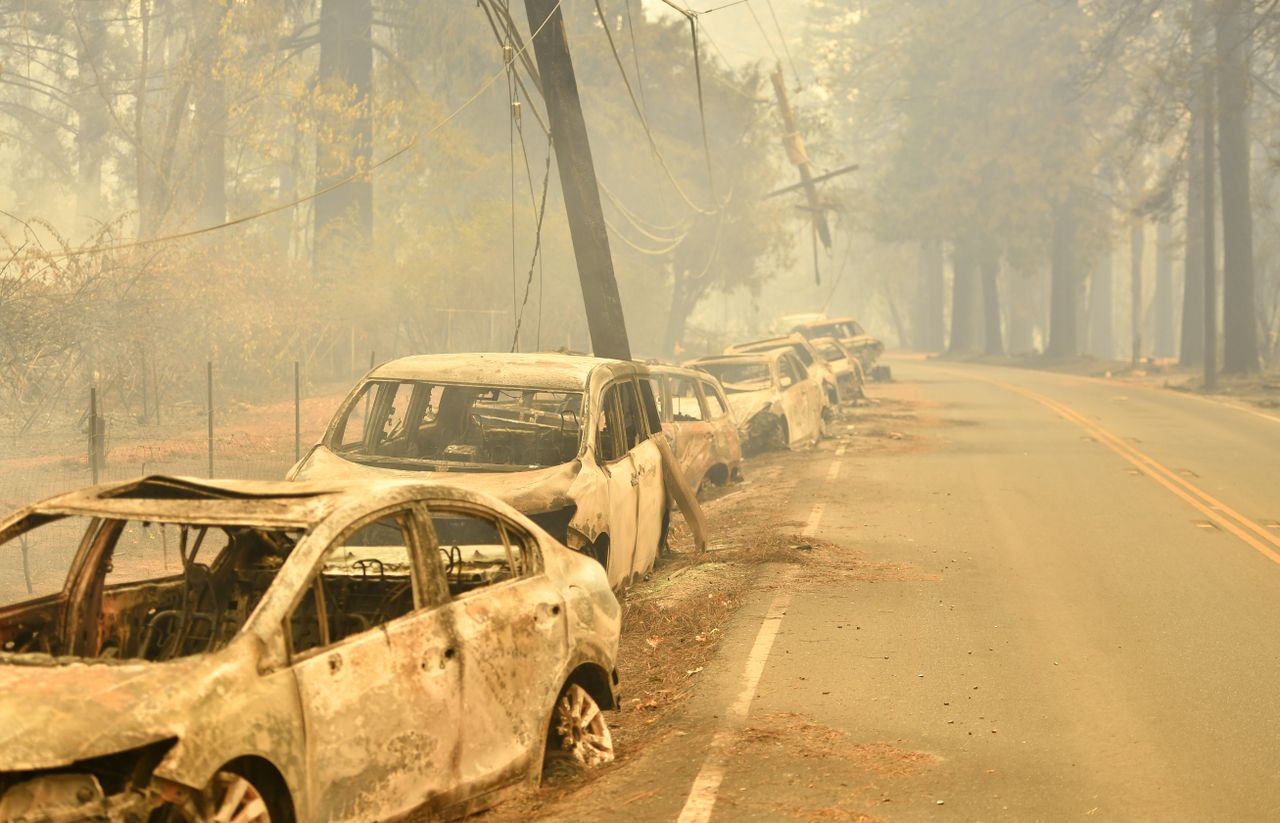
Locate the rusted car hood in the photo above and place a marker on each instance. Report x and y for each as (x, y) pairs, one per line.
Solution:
(55, 713)
(746, 405)
(529, 491)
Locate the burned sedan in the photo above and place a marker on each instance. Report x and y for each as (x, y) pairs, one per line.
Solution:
(774, 402)
(215, 651)
(697, 420)
(566, 439)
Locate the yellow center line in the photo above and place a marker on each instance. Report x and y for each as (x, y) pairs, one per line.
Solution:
(1207, 504)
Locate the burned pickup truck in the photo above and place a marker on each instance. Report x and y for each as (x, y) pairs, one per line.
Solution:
(568, 440)
(206, 651)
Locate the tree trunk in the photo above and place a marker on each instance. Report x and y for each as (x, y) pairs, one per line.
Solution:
(964, 302)
(1064, 294)
(993, 337)
(210, 118)
(344, 216)
(1191, 350)
(1102, 343)
(1232, 22)
(91, 113)
(672, 339)
(929, 325)
(1137, 243)
(1162, 341)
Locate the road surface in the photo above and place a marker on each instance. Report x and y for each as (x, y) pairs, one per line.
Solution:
(1069, 608)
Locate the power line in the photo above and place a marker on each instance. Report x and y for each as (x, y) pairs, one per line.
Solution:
(785, 48)
(644, 122)
(359, 175)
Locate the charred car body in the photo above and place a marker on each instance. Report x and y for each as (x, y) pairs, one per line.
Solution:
(845, 364)
(847, 331)
(772, 397)
(192, 650)
(814, 363)
(566, 439)
(697, 419)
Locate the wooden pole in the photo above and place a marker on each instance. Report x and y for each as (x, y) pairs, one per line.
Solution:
(605, 319)
(794, 144)
(297, 411)
(209, 410)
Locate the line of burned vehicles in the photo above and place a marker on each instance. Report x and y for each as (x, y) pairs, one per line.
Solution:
(412, 624)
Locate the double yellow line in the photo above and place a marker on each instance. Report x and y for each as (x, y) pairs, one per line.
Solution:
(1253, 534)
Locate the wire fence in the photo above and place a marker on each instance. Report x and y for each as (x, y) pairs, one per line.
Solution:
(216, 428)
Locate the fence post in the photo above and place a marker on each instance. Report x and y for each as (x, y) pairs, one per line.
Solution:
(297, 412)
(209, 408)
(97, 437)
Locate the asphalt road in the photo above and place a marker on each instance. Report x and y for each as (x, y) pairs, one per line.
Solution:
(1061, 601)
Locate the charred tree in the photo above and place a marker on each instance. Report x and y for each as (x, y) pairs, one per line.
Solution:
(929, 324)
(1065, 283)
(1162, 308)
(993, 335)
(1102, 309)
(1240, 323)
(91, 111)
(964, 301)
(1191, 348)
(1137, 244)
(210, 115)
(344, 215)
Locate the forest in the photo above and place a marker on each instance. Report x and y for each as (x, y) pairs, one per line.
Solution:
(257, 182)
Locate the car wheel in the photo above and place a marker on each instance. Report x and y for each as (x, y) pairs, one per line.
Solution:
(579, 731)
(229, 796)
(766, 431)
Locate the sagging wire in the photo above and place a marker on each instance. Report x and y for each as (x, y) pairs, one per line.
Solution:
(537, 257)
(508, 57)
(692, 17)
(644, 121)
(783, 39)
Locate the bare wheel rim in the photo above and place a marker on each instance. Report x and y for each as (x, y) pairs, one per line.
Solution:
(232, 798)
(584, 734)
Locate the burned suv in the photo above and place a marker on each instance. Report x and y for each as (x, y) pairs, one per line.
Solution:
(565, 439)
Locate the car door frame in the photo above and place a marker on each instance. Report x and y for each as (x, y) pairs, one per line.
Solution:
(620, 481)
(411, 653)
(476, 617)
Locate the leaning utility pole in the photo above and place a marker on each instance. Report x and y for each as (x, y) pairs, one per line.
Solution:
(605, 319)
(794, 144)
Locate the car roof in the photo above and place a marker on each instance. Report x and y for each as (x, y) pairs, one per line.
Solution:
(237, 501)
(770, 354)
(569, 372)
(780, 342)
(680, 371)
(825, 321)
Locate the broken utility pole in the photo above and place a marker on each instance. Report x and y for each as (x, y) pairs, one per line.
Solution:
(794, 144)
(605, 319)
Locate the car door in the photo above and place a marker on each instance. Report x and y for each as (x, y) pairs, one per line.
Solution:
(799, 402)
(641, 414)
(378, 677)
(724, 429)
(512, 641)
(621, 479)
(696, 444)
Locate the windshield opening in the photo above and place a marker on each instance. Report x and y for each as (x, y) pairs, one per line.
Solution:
(740, 377)
(423, 425)
(146, 590)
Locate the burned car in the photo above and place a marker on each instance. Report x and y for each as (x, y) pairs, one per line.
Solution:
(566, 439)
(814, 363)
(845, 364)
(771, 396)
(697, 420)
(215, 651)
(847, 331)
